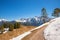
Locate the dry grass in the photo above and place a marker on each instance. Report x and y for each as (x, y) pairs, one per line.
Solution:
(36, 34)
(15, 32)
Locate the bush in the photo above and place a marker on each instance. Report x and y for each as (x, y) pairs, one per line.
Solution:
(1, 29)
(5, 25)
(11, 27)
(16, 25)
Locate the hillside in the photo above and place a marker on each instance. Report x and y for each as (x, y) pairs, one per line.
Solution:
(15, 32)
(48, 32)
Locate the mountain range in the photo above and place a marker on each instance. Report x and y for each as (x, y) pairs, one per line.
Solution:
(35, 21)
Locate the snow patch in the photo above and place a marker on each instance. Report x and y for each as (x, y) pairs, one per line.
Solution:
(6, 30)
(40, 26)
(21, 36)
(52, 32)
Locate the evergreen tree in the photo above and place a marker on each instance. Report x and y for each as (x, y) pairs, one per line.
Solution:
(5, 25)
(17, 25)
(1, 29)
(11, 27)
(44, 15)
(56, 12)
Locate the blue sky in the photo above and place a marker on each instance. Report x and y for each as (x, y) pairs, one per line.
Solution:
(16, 9)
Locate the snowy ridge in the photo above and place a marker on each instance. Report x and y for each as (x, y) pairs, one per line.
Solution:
(52, 32)
(3, 20)
(35, 21)
(40, 26)
(20, 20)
(27, 33)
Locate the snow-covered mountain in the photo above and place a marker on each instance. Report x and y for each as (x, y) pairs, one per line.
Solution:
(35, 21)
(2, 21)
(21, 20)
(52, 32)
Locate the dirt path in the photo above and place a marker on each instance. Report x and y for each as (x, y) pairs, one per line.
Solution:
(36, 34)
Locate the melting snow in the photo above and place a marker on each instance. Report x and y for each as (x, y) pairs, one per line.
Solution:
(6, 30)
(52, 32)
(21, 36)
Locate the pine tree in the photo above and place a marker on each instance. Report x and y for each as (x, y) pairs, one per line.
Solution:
(56, 12)
(44, 15)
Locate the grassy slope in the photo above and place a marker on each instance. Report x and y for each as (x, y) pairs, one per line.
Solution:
(15, 32)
